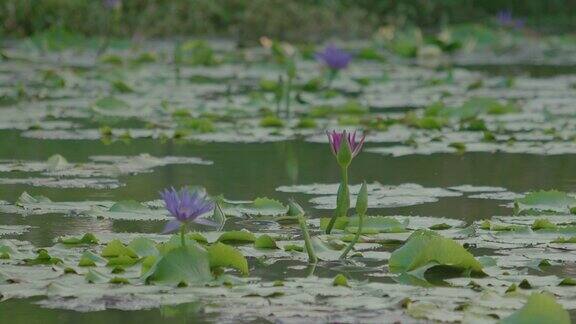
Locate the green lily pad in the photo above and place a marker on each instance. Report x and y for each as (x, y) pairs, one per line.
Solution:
(222, 255)
(188, 264)
(546, 201)
(424, 247)
(116, 248)
(265, 241)
(540, 308)
(87, 238)
(237, 237)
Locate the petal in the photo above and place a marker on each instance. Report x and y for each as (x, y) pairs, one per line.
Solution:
(171, 226)
(359, 145)
(205, 221)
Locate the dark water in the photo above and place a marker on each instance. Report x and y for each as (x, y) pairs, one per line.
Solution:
(245, 171)
(533, 71)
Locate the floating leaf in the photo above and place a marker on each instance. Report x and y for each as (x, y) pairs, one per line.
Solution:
(340, 280)
(424, 247)
(188, 264)
(43, 257)
(127, 206)
(540, 308)
(143, 247)
(265, 241)
(87, 238)
(116, 248)
(237, 237)
(89, 259)
(222, 255)
(546, 201)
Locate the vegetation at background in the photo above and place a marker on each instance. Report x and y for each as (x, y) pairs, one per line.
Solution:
(305, 20)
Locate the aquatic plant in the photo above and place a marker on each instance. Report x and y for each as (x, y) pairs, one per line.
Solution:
(335, 59)
(504, 18)
(114, 7)
(112, 4)
(284, 54)
(345, 147)
(361, 208)
(186, 207)
(300, 215)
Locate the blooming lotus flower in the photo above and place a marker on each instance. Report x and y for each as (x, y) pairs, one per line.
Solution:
(334, 58)
(186, 207)
(335, 138)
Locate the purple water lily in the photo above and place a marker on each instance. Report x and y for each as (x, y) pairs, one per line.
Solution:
(504, 18)
(112, 4)
(335, 139)
(186, 207)
(334, 58)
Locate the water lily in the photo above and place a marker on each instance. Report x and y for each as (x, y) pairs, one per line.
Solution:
(112, 4)
(334, 58)
(335, 138)
(345, 146)
(505, 19)
(186, 208)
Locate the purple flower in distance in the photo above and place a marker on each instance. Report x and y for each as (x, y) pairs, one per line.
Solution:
(504, 18)
(112, 4)
(186, 207)
(334, 58)
(335, 138)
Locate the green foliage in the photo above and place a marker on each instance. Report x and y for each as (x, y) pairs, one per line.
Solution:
(349, 108)
(540, 308)
(197, 52)
(87, 238)
(237, 237)
(265, 241)
(340, 280)
(426, 248)
(116, 248)
(545, 201)
(183, 265)
(42, 257)
(271, 121)
(222, 255)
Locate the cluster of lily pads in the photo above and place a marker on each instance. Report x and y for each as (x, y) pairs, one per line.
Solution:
(423, 268)
(260, 257)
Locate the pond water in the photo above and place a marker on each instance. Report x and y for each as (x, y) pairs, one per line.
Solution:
(242, 171)
(422, 172)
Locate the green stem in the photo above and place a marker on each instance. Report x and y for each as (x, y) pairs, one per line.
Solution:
(342, 200)
(183, 234)
(279, 94)
(332, 73)
(307, 240)
(311, 269)
(356, 237)
(287, 97)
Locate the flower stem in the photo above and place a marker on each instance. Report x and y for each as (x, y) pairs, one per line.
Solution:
(342, 200)
(287, 96)
(332, 73)
(307, 240)
(356, 237)
(183, 234)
